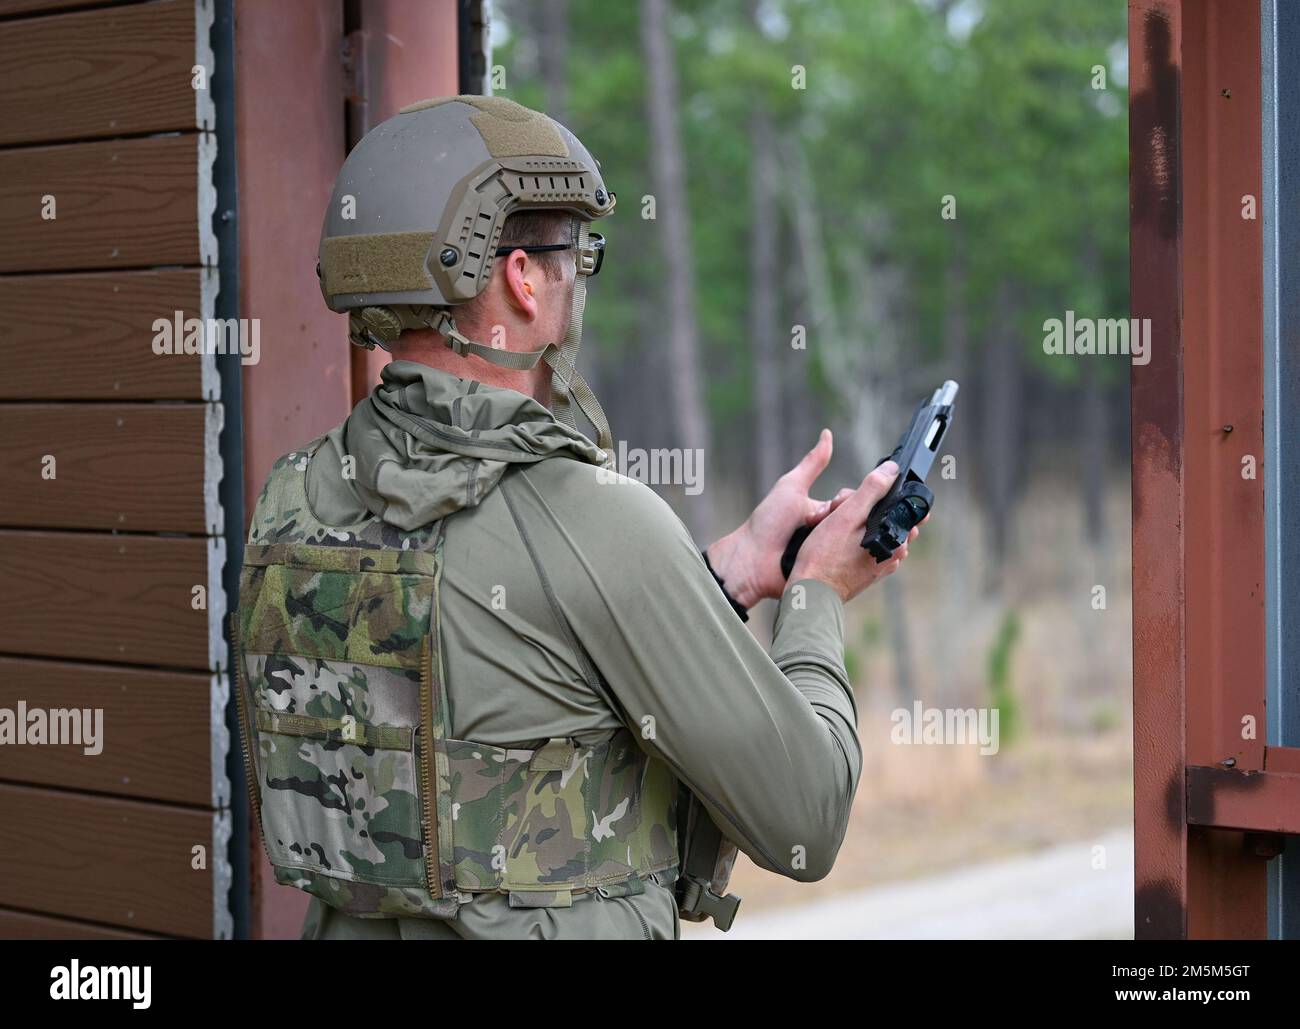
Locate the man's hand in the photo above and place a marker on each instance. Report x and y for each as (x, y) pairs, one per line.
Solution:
(749, 560)
(833, 551)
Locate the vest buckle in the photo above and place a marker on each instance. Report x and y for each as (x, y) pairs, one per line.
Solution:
(698, 899)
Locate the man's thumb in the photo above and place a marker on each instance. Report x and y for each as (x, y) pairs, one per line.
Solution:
(814, 462)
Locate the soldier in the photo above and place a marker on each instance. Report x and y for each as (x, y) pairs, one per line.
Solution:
(486, 689)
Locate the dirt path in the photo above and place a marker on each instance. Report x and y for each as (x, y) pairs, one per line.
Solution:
(1056, 893)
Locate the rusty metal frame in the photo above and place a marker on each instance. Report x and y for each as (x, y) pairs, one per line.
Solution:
(288, 154)
(1265, 801)
(400, 51)
(1204, 783)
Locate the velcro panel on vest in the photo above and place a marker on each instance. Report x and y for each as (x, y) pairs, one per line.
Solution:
(521, 824)
(317, 602)
(335, 644)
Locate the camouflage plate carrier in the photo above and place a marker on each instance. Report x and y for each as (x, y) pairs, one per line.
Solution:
(362, 798)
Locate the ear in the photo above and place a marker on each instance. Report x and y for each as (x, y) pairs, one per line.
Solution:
(519, 288)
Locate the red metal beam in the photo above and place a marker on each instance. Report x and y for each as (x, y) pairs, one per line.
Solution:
(1282, 759)
(1223, 383)
(409, 53)
(1222, 338)
(289, 126)
(1159, 796)
(288, 156)
(1254, 801)
(1223, 423)
(1198, 528)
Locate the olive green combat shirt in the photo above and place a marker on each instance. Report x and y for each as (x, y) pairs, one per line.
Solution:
(769, 744)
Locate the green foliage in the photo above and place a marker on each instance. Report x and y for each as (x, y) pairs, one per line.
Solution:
(852, 664)
(1104, 718)
(1001, 692)
(907, 101)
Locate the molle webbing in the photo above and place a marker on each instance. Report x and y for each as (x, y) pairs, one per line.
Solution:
(513, 808)
(364, 800)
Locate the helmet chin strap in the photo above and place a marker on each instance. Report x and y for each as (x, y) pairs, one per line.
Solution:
(568, 387)
(567, 384)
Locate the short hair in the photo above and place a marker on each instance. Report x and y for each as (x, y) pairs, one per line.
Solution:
(540, 228)
(527, 229)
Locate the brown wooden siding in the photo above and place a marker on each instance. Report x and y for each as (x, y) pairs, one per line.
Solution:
(156, 734)
(104, 72)
(133, 467)
(103, 597)
(11, 7)
(78, 336)
(127, 203)
(99, 564)
(101, 859)
(22, 925)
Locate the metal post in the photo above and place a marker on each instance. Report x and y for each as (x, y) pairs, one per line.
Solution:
(1198, 473)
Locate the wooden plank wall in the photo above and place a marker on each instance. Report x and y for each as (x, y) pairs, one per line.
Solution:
(110, 528)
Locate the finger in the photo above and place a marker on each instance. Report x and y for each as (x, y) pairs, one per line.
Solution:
(819, 509)
(816, 510)
(873, 488)
(913, 534)
(897, 559)
(805, 473)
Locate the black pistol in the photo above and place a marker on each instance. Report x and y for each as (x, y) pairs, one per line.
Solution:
(909, 499)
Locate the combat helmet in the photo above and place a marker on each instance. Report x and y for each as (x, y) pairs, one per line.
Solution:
(415, 220)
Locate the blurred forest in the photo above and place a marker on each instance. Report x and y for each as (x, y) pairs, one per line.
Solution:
(820, 206)
(798, 158)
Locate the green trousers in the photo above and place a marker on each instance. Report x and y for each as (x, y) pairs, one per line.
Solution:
(489, 916)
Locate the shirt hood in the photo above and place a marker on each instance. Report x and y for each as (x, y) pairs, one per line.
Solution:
(425, 444)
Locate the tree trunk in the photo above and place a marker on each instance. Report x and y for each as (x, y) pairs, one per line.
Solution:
(552, 33)
(804, 412)
(955, 522)
(667, 166)
(861, 364)
(764, 285)
(1000, 438)
(846, 359)
(900, 636)
(1092, 420)
(1094, 426)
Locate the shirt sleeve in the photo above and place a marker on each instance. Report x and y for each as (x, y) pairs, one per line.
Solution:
(768, 743)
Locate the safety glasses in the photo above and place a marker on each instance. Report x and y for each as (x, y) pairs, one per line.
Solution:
(590, 257)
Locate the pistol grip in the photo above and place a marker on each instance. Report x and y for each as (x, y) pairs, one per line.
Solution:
(792, 549)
